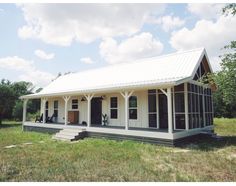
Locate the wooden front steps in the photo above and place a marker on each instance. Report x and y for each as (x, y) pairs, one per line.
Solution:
(70, 134)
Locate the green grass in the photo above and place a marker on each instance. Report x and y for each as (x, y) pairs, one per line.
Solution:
(109, 160)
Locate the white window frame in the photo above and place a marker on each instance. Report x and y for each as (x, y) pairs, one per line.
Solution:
(133, 108)
(72, 104)
(114, 108)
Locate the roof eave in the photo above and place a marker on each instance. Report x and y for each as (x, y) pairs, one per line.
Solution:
(101, 90)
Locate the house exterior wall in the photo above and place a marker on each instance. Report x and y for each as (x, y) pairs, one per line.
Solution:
(142, 120)
(142, 109)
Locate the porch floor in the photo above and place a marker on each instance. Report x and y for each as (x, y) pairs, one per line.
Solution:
(118, 127)
(119, 131)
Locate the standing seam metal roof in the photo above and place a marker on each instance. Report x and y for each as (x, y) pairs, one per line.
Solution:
(156, 70)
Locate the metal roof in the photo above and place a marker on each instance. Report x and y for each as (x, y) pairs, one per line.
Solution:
(162, 70)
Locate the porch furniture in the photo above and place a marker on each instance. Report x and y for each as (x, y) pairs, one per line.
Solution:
(104, 119)
(50, 119)
(73, 117)
(39, 119)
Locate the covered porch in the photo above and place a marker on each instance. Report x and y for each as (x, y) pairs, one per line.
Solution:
(163, 111)
(125, 110)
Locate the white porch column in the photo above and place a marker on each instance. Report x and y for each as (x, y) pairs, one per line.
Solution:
(173, 111)
(44, 100)
(169, 106)
(126, 96)
(186, 106)
(169, 103)
(66, 99)
(89, 98)
(24, 110)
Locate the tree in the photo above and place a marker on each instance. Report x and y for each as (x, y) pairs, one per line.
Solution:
(18, 110)
(225, 97)
(226, 78)
(10, 105)
(7, 100)
(229, 9)
(22, 88)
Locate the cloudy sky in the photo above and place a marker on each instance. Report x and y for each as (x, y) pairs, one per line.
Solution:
(40, 40)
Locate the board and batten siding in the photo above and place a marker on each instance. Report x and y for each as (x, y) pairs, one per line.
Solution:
(82, 108)
(142, 112)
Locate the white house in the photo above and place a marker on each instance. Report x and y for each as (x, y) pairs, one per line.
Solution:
(158, 99)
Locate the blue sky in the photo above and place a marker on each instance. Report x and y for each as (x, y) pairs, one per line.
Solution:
(40, 40)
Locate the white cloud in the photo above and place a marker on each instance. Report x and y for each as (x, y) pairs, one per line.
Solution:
(86, 60)
(168, 22)
(209, 34)
(28, 71)
(206, 11)
(43, 55)
(136, 47)
(61, 24)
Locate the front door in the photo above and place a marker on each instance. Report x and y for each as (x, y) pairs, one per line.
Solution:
(96, 111)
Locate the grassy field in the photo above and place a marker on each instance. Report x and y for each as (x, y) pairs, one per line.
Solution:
(36, 157)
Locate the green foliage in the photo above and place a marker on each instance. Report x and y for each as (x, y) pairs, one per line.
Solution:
(7, 99)
(229, 9)
(221, 109)
(10, 105)
(32, 116)
(225, 97)
(18, 110)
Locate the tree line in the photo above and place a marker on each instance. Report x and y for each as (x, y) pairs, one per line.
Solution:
(11, 107)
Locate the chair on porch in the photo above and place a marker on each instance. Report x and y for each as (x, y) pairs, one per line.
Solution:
(50, 119)
(39, 119)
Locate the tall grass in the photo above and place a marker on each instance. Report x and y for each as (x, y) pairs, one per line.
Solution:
(110, 160)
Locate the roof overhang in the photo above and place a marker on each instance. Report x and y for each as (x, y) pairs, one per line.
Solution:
(106, 90)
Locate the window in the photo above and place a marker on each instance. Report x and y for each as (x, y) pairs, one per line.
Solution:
(56, 108)
(199, 102)
(180, 121)
(200, 72)
(133, 107)
(152, 103)
(152, 108)
(113, 108)
(46, 109)
(208, 106)
(74, 104)
(179, 102)
(179, 108)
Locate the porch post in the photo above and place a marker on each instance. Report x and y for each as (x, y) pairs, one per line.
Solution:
(169, 103)
(126, 96)
(89, 98)
(173, 99)
(24, 110)
(66, 99)
(186, 106)
(44, 100)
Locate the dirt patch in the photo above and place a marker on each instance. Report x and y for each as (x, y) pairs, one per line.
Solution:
(180, 150)
(10, 146)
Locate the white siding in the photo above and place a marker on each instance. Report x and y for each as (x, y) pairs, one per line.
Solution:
(142, 99)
